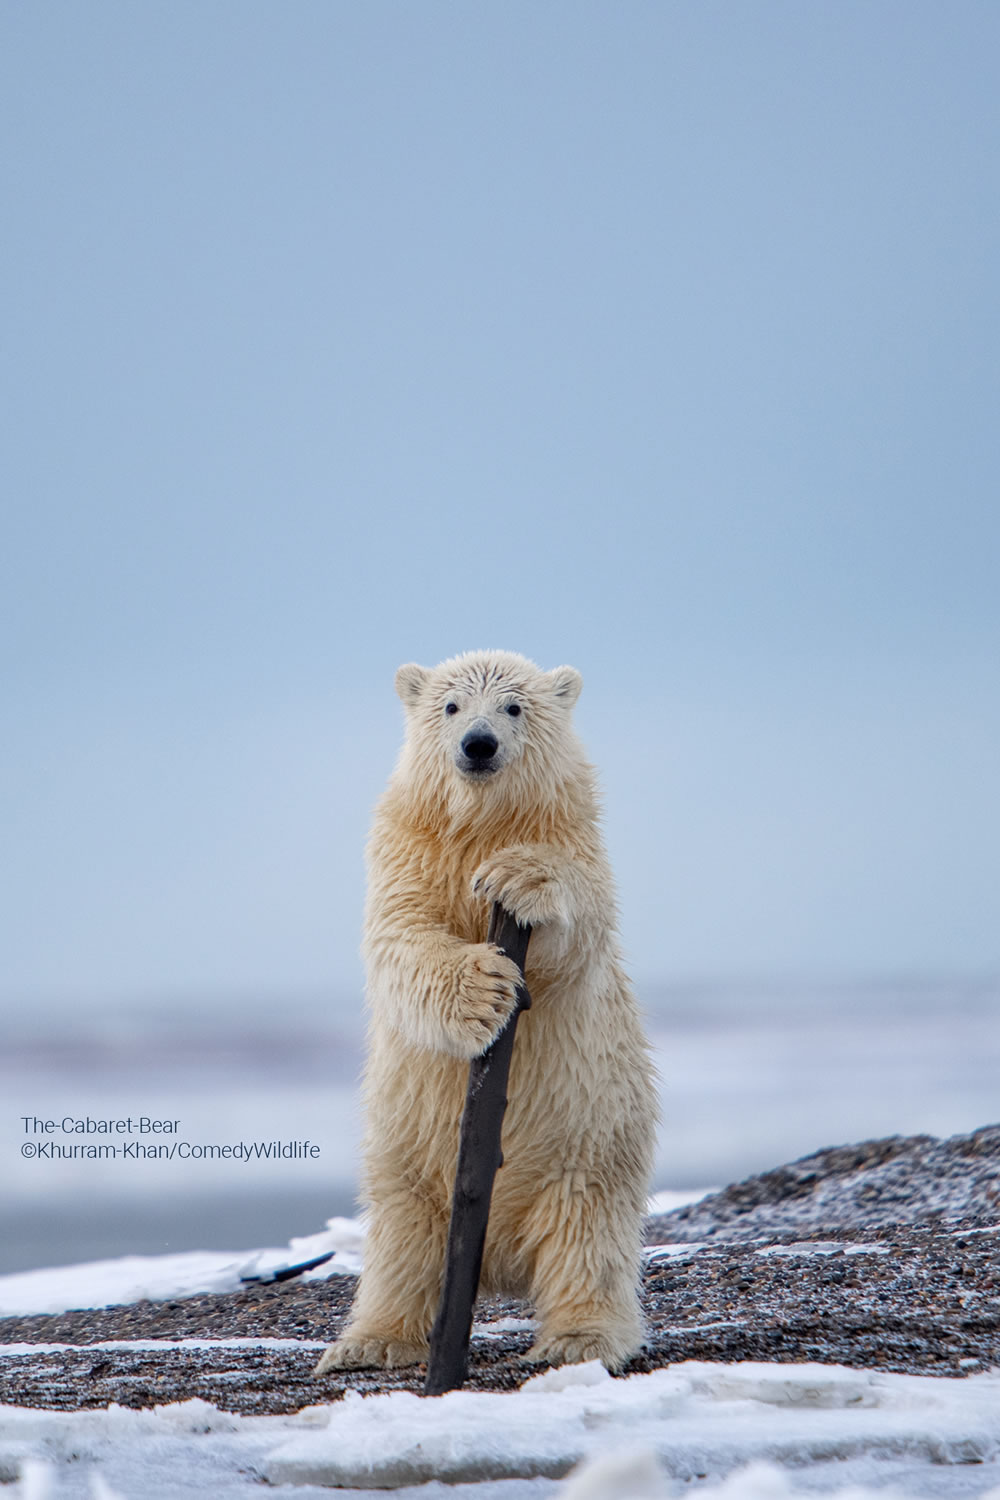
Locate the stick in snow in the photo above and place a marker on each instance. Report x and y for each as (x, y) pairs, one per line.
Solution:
(285, 1273)
(479, 1157)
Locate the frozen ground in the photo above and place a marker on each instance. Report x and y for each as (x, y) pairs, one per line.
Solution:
(824, 1429)
(750, 1079)
(739, 1430)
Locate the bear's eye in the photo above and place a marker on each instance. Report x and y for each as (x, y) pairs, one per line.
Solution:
(451, 708)
(513, 709)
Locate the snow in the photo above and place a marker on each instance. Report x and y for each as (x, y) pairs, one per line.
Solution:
(154, 1346)
(636, 1475)
(682, 1251)
(730, 1432)
(824, 1247)
(130, 1278)
(738, 1432)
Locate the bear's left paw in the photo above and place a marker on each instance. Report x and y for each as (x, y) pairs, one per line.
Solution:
(360, 1351)
(524, 885)
(580, 1345)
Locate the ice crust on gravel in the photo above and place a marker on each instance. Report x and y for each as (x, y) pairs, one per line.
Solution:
(739, 1430)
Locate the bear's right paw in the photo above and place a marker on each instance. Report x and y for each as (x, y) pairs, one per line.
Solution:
(487, 993)
(360, 1351)
(582, 1345)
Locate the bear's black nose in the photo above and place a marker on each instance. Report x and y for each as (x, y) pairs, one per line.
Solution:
(479, 744)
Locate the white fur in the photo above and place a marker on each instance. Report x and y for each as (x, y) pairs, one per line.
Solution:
(447, 841)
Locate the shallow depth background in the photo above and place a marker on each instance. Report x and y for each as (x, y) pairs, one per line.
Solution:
(751, 1077)
(659, 339)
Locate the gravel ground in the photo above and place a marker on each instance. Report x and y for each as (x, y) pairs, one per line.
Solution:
(901, 1180)
(884, 1255)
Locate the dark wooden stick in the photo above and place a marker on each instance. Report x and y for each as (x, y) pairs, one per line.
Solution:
(479, 1157)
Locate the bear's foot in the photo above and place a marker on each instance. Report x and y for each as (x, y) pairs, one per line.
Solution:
(371, 1351)
(581, 1344)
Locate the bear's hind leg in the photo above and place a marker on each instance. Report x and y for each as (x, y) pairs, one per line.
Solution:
(399, 1289)
(586, 1273)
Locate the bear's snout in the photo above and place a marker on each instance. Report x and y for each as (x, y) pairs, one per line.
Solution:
(478, 749)
(480, 744)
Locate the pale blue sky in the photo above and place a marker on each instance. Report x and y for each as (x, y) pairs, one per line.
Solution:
(660, 339)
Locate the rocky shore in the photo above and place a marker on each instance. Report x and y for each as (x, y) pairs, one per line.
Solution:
(884, 1255)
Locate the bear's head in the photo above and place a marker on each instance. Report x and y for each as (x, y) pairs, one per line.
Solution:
(489, 723)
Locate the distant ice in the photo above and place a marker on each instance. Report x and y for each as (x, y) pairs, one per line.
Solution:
(668, 1199)
(728, 1432)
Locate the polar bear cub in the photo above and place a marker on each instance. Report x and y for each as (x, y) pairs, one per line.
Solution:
(493, 799)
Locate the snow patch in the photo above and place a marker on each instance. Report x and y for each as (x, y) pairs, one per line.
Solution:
(824, 1247)
(153, 1346)
(161, 1278)
(129, 1278)
(742, 1431)
(671, 1252)
(501, 1326)
(637, 1475)
(701, 1420)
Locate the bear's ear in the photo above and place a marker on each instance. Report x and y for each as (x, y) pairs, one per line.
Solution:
(566, 684)
(410, 682)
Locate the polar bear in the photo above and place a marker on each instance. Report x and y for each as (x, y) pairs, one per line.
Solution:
(492, 799)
